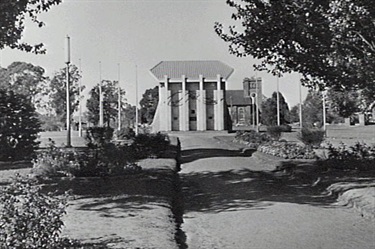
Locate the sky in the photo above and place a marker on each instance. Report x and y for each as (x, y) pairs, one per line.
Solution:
(124, 39)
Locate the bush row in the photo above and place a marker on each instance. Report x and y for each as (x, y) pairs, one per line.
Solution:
(356, 157)
(102, 157)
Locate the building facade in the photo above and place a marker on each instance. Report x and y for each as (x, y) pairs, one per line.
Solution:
(244, 104)
(191, 96)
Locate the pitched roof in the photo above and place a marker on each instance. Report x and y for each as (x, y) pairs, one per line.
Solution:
(191, 69)
(236, 97)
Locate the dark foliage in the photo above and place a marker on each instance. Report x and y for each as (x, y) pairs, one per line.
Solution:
(311, 137)
(19, 127)
(357, 157)
(125, 133)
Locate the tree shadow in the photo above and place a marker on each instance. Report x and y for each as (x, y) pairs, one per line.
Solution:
(246, 189)
(196, 154)
(128, 193)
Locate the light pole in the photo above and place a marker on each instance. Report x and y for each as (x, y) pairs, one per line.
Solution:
(67, 61)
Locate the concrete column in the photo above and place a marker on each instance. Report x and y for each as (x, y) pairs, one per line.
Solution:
(361, 118)
(201, 106)
(184, 106)
(219, 111)
(165, 110)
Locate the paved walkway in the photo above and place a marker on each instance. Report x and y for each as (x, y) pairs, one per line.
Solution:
(232, 200)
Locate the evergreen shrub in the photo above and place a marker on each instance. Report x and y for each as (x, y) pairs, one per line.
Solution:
(19, 127)
(311, 137)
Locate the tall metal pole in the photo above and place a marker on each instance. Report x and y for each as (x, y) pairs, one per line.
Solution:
(300, 105)
(324, 112)
(119, 100)
(80, 102)
(257, 103)
(67, 61)
(278, 101)
(101, 118)
(136, 99)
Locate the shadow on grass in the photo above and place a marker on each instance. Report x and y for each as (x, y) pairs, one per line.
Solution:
(130, 192)
(195, 154)
(246, 189)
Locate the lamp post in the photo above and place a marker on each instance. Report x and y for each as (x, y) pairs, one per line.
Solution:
(67, 62)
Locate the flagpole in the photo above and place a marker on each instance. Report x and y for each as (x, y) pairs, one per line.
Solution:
(67, 61)
(278, 101)
(119, 100)
(80, 102)
(136, 99)
(101, 119)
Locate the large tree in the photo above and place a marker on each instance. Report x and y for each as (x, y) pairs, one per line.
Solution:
(26, 79)
(149, 103)
(110, 102)
(330, 42)
(13, 15)
(58, 91)
(269, 110)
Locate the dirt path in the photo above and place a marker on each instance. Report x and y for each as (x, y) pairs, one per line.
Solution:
(232, 200)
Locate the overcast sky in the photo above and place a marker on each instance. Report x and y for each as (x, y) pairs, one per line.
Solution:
(142, 33)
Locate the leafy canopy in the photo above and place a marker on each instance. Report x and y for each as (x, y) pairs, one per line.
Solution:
(330, 42)
(58, 91)
(110, 102)
(13, 15)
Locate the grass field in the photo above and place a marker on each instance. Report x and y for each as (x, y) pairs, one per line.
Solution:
(335, 134)
(60, 138)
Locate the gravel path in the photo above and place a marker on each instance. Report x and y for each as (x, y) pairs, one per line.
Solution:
(233, 200)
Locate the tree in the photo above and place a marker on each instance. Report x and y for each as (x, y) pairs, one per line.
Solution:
(58, 91)
(294, 114)
(27, 79)
(330, 42)
(149, 103)
(19, 126)
(269, 110)
(344, 104)
(110, 103)
(312, 109)
(128, 119)
(12, 22)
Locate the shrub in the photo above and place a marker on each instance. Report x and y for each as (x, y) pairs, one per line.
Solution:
(359, 156)
(287, 150)
(251, 138)
(56, 161)
(97, 136)
(311, 137)
(275, 131)
(125, 133)
(104, 160)
(19, 127)
(30, 218)
(150, 144)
